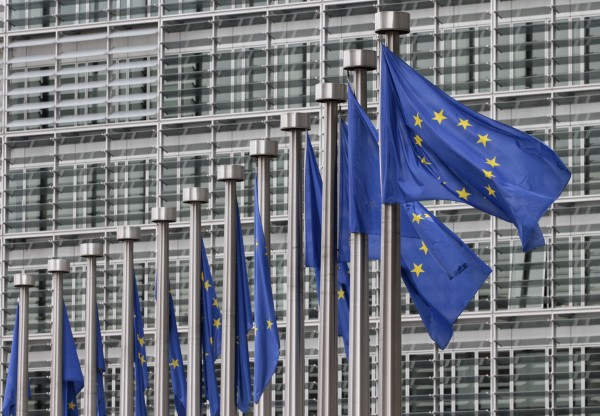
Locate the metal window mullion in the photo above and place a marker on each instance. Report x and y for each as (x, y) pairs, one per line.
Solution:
(213, 71)
(108, 73)
(551, 368)
(159, 71)
(268, 60)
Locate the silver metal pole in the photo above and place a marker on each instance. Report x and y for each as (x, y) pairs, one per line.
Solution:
(359, 61)
(195, 197)
(392, 24)
(90, 399)
(23, 282)
(57, 267)
(264, 150)
(127, 235)
(230, 174)
(331, 95)
(162, 217)
(296, 124)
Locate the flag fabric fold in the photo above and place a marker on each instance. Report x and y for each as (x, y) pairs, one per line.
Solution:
(266, 338)
(101, 368)
(434, 147)
(72, 374)
(243, 323)
(139, 355)
(176, 368)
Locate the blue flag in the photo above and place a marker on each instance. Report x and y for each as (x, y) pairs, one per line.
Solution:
(101, 366)
(176, 367)
(433, 147)
(266, 338)
(72, 375)
(211, 335)
(441, 273)
(140, 358)
(243, 323)
(9, 405)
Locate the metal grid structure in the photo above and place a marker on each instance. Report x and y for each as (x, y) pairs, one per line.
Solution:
(110, 108)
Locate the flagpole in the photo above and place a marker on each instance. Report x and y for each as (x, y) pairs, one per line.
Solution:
(390, 24)
(195, 197)
(230, 174)
(90, 399)
(127, 234)
(162, 217)
(263, 151)
(57, 267)
(359, 61)
(23, 282)
(296, 124)
(331, 95)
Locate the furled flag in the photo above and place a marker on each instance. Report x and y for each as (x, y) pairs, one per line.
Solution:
(101, 366)
(313, 196)
(211, 335)
(434, 147)
(176, 368)
(243, 322)
(9, 405)
(266, 338)
(441, 273)
(140, 358)
(72, 375)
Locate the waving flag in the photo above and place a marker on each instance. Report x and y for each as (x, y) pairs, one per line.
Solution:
(140, 358)
(101, 366)
(176, 367)
(72, 375)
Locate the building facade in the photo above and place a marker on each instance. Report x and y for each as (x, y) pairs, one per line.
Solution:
(112, 107)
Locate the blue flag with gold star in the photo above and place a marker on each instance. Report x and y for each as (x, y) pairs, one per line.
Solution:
(266, 338)
(139, 353)
(211, 335)
(9, 404)
(442, 273)
(72, 375)
(176, 368)
(434, 147)
(101, 366)
(243, 323)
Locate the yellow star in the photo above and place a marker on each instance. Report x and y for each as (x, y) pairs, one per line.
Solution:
(341, 293)
(463, 193)
(463, 123)
(418, 269)
(269, 324)
(141, 340)
(439, 117)
(418, 120)
(174, 363)
(424, 161)
(207, 285)
(217, 322)
(257, 244)
(215, 302)
(418, 140)
(202, 276)
(492, 162)
(424, 248)
(483, 140)
(417, 218)
(488, 174)
(141, 358)
(211, 340)
(491, 191)
(255, 329)
(72, 406)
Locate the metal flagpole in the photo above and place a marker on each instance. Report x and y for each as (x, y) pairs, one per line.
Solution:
(391, 24)
(127, 234)
(264, 150)
(296, 124)
(331, 95)
(90, 399)
(230, 174)
(359, 61)
(57, 267)
(23, 282)
(162, 217)
(195, 197)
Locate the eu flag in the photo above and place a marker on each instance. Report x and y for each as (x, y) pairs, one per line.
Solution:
(211, 335)
(9, 405)
(266, 338)
(176, 368)
(433, 147)
(243, 323)
(101, 366)
(72, 375)
(140, 358)
(441, 273)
